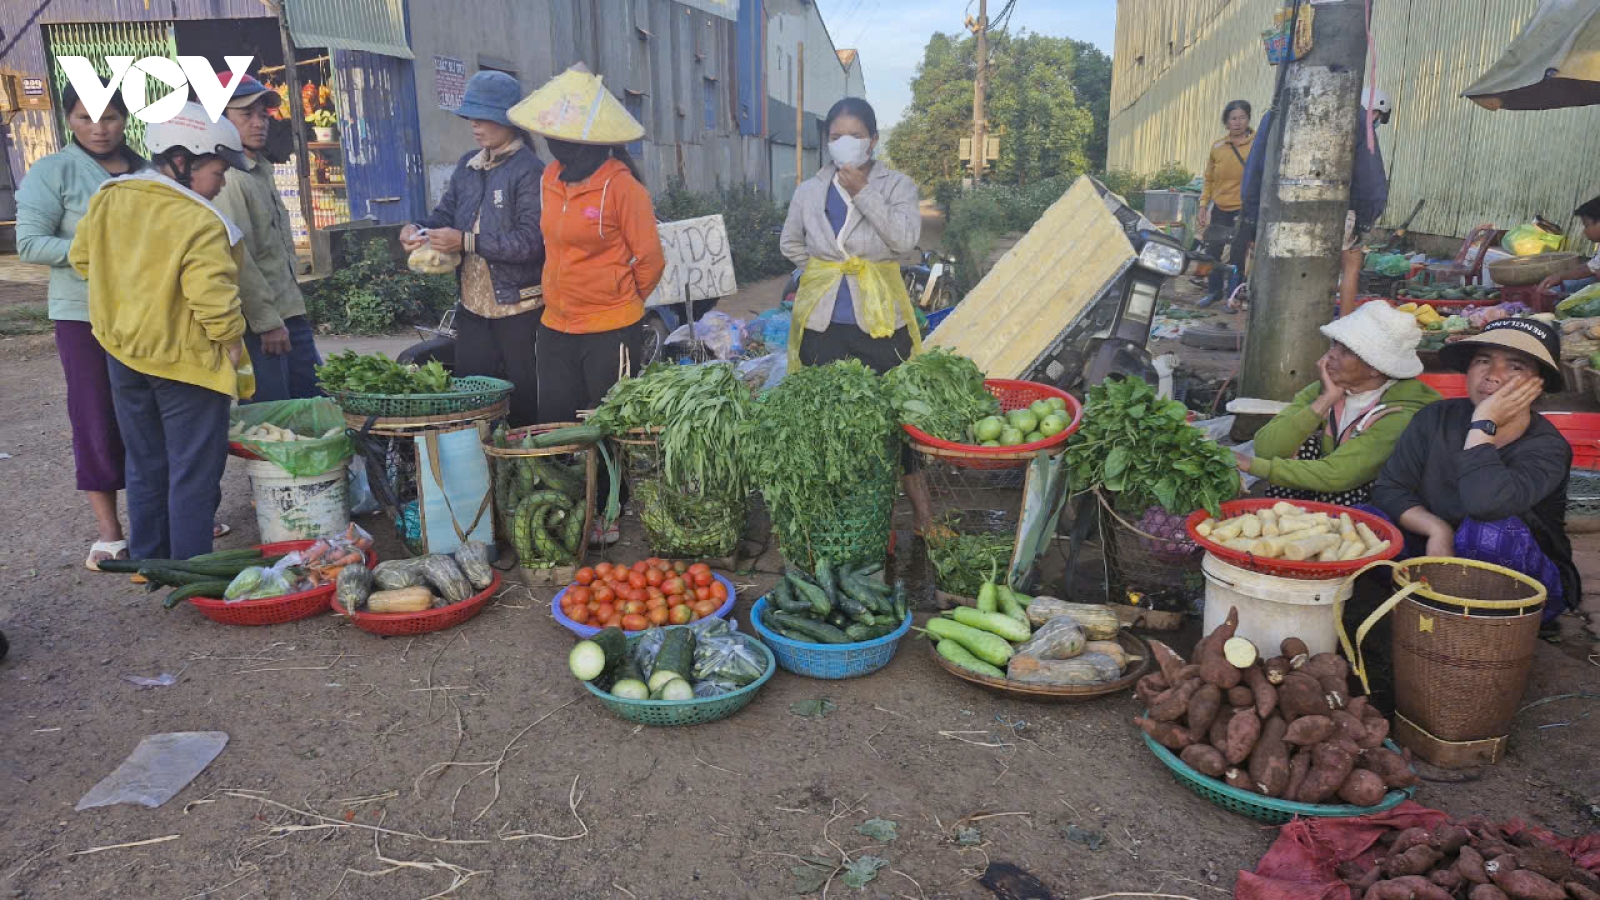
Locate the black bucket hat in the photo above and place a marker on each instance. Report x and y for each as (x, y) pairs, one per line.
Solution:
(1539, 340)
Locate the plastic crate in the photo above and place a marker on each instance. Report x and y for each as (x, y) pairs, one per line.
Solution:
(688, 712)
(1450, 385)
(1582, 431)
(466, 394)
(833, 662)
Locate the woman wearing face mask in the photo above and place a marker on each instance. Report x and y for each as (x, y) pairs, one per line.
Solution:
(847, 227)
(602, 254)
(52, 199)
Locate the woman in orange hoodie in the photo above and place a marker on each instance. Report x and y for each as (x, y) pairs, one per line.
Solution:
(602, 254)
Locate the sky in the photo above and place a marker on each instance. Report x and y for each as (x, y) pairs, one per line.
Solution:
(891, 35)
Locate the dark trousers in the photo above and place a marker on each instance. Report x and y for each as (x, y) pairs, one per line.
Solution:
(576, 370)
(288, 376)
(177, 441)
(503, 348)
(1220, 236)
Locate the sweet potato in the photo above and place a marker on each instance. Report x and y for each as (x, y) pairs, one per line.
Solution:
(1349, 727)
(1362, 788)
(1357, 706)
(1308, 731)
(1294, 651)
(1215, 668)
(1205, 759)
(1241, 697)
(1330, 766)
(1238, 778)
(1244, 729)
(1174, 702)
(1406, 887)
(1276, 668)
(1187, 672)
(1169, 661)
(1535, 855)
(1470, 865)
(1217, 735)
(1377, 732)
(1411, 837)
(1390, 766)
(1299, 765)
(1500, 865)
(1167, 734)
(1418, 860)
(1203, 707)
(1301, 695)
(1578, 892)
(1525, 884)
(1149, 688)
(1449, 839)
(1359, 884)
(1486, 892)
(1333, 673)
(1240, 652)
(1269, 761)
(1449, 879)
(1266, 696)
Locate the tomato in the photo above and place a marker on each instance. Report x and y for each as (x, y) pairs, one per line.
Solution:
(614, 622)
(655, 603)
(633, 608)
(702, 594)
(636, 579)
(603, 570)
(680, 614)
(580, 593)
(658, 616)
(680, 567)
(704, 608)
(579, 615)
(655, 562)
(674, 587)
(652, 593)
(718, 592)
(604, 593)
(635, 623)
(604, 612)
(640, 566)
(654, 577)
(697, 568)
(585, 575)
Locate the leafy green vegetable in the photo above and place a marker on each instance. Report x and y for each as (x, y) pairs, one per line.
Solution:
(375, 373)
(941, 393)
(818, 442)
(962, 562)
(812, 874)
(1141, 448)
(862, 869)
(884, 830)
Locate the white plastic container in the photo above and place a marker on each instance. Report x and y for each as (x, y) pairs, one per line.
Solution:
(1273, 608)
(298, 509)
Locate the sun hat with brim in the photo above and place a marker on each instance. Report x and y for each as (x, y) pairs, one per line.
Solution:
(1531, 337)
(576, 107)
(1383, 337)
(489, 96)
(248, 91)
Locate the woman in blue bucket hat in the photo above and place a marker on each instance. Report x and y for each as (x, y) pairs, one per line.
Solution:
(487, 225)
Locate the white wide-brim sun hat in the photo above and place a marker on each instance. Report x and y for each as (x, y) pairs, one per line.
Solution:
(1383, 337)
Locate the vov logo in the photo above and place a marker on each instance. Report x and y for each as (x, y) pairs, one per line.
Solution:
(187, 72)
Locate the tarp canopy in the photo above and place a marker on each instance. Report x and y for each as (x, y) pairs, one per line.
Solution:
(1553, 64)
(376, 26)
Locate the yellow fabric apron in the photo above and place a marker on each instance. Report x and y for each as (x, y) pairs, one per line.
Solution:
(881, 293)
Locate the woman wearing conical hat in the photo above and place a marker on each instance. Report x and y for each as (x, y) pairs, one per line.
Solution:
(602, 254)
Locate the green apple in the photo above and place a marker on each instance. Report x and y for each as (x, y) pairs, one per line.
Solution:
(990, 444)
(1053, 425)
(1010, 437)
(1023, 420)
(1041, 408)
(988, 428)
(1057, 404)
(1033, 438)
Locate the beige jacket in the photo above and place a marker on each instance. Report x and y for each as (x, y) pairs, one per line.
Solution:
(268, 288)
(885, 222)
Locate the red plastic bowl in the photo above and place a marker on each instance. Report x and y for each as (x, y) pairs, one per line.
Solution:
(1283, 568)
(1012, 395)
(273, 610)
(403, 624)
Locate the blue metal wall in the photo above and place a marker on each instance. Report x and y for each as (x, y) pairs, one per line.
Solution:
(377, 103)
(751, 68)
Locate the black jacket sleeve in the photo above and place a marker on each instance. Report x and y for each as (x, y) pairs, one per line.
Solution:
(522, 242)
(1491, 489)
(444, 215)
(1399, 484)
(1369, 183)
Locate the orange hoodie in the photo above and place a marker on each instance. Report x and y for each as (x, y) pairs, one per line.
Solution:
(602, 256)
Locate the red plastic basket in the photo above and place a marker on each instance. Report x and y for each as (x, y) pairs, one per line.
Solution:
(1450, 385)
(401, 624)
(1582, 431)
(1283, 568)
(273, 610)
(1012, 395)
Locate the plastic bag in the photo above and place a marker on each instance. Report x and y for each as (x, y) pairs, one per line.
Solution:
(1394, 265)
(362, 501)
(764, 372)
(773, 328)
(257, 583)
(721, 333)
(727, 657)
(1044, 497)
(312, 420)
(1582, 304)
(646, 648)
(425, 260)
(1529, 239)
(714, 688)
(157, 769)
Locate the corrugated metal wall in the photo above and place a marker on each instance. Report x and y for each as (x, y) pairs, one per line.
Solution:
(1178, 62)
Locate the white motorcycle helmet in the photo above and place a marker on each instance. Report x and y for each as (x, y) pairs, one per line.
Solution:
(192, 130)
(1375, 99)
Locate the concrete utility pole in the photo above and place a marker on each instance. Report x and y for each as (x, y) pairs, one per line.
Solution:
(800, 116)
(1305, 193)
(980, 90)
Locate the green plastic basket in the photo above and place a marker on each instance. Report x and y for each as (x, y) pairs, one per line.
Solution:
(860, 533)
(466, 394)
(687, 712)
(1270, 810)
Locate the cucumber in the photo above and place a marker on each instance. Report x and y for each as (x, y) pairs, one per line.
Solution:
(228, 555)
(676, 658)
(164, 577)
(854, 590)
(784, 600)
(991, 648)
(677, 690)
(853, 608)
(900, 605)
(814, 632)
(838, 620)
(614, 644)
(573, 434)
(826, 581)
(630, 689)
(816, 596)
(867, 570)
(587, 660)
(196, 589)
(860, 632)
(958, 654)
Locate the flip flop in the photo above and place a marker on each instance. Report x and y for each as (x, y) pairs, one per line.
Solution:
(221, 529)
(112, 549)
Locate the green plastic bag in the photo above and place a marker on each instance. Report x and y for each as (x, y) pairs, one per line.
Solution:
(1581, 305)
(308, 418)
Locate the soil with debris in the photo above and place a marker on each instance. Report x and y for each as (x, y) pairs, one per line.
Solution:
(327, 720)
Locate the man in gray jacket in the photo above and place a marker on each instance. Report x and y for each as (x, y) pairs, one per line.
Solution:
(279, 338)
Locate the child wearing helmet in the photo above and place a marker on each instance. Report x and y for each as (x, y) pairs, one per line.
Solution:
(162, 269)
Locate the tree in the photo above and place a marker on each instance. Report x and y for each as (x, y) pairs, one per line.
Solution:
(1049, 99)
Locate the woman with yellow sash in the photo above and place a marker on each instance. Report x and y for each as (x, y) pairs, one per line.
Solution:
(848, 226)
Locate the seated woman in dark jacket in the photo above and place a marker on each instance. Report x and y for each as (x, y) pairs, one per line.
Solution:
(1485, 478)
(490, 215)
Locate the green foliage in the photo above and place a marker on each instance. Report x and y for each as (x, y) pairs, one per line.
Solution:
(373, 294)
(752, 219)
(1131, 186)
(941, 393)
(1049, 101)
(375, 373)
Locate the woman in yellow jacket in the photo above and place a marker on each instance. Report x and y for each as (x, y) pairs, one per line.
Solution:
(1220, 200)
(162, 267)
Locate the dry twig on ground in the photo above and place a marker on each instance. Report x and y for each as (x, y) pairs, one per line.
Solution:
(492, 766)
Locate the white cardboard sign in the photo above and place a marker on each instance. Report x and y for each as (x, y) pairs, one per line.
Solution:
(698, 258)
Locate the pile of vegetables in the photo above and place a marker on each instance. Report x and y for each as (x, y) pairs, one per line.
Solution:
(840, 605)
(270, 433)
(1031, 640)
(215, 575)
(207, 575)
(374, 373)
(1290, 532)
(941, 393)
(541, 501)
(1477, 293)
(820, 442)
(1283, 727)
(1142, 448)
(707, 659)
(1041, 419)
(1477, 861)
(651, 592)
(415, 585)
(963, 561)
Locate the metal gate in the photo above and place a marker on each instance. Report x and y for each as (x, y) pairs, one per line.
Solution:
(98, 40)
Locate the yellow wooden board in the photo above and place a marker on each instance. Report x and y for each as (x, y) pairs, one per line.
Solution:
(1037, 289)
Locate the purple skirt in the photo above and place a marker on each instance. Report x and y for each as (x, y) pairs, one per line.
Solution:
(96, 443)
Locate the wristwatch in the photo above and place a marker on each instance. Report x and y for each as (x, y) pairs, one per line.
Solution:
(1486, 426)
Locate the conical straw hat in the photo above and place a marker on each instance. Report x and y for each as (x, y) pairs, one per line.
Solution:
(575, 106)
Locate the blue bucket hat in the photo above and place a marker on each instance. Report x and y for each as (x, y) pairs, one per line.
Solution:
(489, 94)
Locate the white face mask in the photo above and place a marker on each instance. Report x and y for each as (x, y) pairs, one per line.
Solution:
(847, 150)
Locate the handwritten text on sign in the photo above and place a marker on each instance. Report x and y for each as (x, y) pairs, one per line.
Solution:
(698, 259)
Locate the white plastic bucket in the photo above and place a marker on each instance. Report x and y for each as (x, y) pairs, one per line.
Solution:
(296, 509)
(1272, 608)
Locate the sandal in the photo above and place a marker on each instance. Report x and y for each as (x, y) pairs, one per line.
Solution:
(111, 549)
(220, 530)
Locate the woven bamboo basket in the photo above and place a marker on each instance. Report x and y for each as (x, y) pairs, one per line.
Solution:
(503, 462)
